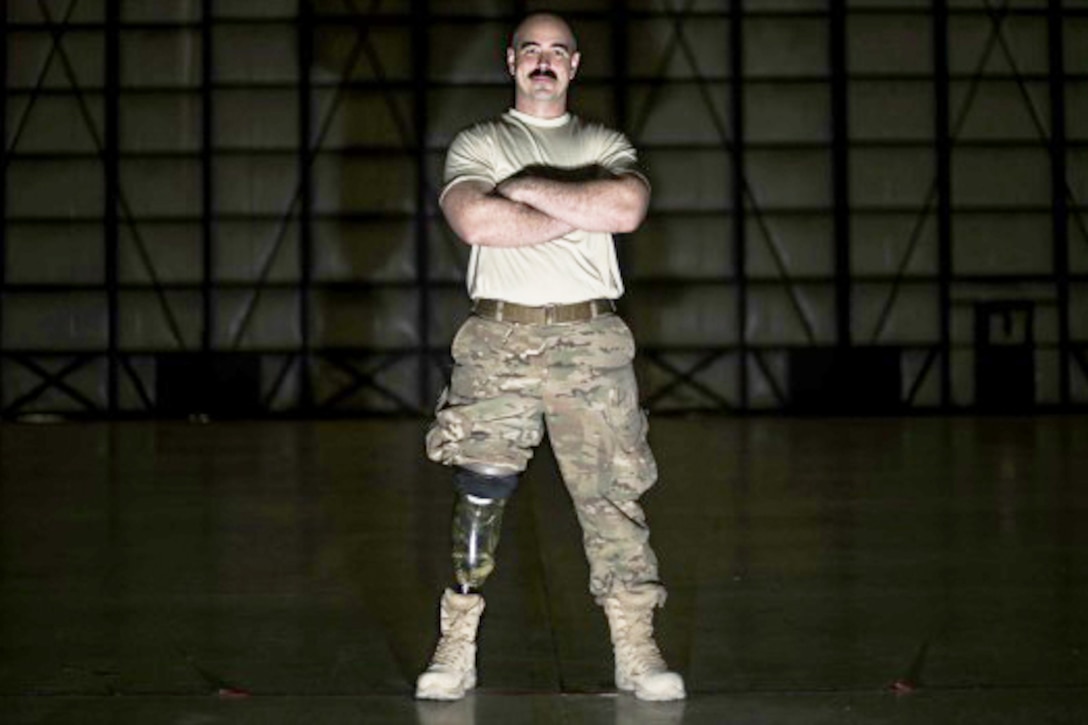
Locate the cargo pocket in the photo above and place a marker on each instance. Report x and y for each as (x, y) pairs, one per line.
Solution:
(634, 469)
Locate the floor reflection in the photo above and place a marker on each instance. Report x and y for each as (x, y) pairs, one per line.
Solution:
(459, 712)
(810, 564)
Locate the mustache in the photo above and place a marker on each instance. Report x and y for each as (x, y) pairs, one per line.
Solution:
(545, 72)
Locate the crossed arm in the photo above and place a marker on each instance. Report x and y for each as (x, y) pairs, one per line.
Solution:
(531, 209)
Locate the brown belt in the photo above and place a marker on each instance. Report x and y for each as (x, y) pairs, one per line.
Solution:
(547, 315)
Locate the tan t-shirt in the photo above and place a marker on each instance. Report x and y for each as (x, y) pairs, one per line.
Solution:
(580, 266)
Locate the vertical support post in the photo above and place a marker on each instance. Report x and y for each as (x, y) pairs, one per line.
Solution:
(739, 185)
(943, 146)
(620, 96)
(620, 76)
(618, 25)
(207, 177)
(3, 194)
(306, 160)
(840, 170)
(111, 167)
(1058, 192)
(420, 62)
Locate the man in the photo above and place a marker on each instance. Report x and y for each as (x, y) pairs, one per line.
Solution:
(537, 194)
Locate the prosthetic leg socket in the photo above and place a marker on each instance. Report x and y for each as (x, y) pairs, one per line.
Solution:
(477, 524)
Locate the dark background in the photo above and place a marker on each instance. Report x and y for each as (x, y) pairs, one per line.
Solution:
(228, 207)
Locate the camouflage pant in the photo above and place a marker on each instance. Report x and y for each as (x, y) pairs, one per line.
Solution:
(511, 380)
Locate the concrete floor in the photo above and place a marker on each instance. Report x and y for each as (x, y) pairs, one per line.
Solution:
(289, 573)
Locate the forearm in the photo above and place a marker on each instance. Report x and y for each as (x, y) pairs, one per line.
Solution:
(491, 220)
(615, 204)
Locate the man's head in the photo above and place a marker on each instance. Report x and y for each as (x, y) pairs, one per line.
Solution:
(543, 59)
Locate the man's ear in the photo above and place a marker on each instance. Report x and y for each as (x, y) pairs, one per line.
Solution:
(511, 57)
(574, 61)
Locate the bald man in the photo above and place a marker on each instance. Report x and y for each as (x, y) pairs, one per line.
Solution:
(537, 194)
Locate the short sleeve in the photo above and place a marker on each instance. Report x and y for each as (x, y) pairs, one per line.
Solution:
(469, 157)
(619, 156)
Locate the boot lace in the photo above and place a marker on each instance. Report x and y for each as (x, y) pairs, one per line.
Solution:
(453, 646)
(637, 645)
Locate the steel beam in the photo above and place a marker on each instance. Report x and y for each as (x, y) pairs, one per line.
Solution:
(840, 171)
(306, 153)
(1059, 192)
(423, 201)
(207, 176)
(3, 196)
(738, 185)
(111, 164)
(943, 149)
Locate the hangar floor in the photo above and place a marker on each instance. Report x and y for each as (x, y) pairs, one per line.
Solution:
(925, 570)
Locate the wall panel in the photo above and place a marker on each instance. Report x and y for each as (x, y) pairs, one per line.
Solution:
(232, 178)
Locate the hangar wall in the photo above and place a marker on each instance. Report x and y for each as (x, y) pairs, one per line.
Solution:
(228, 207)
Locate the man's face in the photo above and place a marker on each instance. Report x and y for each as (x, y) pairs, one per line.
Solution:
(543, 60)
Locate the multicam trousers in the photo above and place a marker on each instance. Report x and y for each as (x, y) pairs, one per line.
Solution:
(511, 380)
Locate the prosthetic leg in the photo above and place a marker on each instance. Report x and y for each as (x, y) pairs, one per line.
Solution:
(477, 524)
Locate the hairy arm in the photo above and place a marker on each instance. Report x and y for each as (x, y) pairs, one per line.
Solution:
(481, 217)
(614, 204)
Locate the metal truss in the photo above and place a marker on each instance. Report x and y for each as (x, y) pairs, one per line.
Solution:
(362, 367)
(744, 200)
(948, 130)
(682, 371)
(117, 210)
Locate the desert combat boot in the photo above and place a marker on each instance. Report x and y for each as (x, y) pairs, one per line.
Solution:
(452, 671)
(640, 668)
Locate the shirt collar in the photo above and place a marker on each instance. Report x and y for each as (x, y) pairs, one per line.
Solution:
(540, 122)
